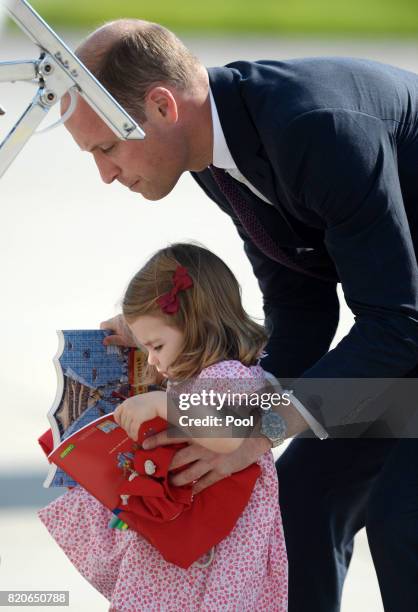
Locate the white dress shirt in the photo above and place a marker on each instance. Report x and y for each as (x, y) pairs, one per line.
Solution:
(222, 158)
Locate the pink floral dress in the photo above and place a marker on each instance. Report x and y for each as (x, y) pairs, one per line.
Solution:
(248, 571)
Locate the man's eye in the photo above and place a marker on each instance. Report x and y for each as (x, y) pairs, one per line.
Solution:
(158, 348)
(107, 149)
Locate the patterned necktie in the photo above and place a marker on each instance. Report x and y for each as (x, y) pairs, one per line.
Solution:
(254, 227)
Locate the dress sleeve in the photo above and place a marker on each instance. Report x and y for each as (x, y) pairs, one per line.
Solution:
(218, 402)
(233, 376)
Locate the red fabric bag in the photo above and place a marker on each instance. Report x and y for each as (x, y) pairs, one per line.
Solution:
(180, 526)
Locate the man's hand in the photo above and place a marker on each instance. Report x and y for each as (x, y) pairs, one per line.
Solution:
(208, 467)
(122, 334)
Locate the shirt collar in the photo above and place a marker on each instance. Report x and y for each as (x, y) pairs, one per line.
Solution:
(222, 157)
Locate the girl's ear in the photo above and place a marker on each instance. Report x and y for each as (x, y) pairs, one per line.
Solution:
(161, 105)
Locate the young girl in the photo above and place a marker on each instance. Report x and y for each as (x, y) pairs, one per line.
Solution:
(184, 307)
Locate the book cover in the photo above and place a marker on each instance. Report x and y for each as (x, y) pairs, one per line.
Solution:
(92, 380)
(94, 456)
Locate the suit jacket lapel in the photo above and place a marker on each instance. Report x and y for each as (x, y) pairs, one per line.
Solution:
(247, 151)
(235, 122)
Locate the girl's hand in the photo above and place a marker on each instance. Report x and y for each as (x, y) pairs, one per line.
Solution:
(122, 335)
(140, 408)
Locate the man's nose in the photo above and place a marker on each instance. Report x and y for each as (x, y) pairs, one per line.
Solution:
(109, 171)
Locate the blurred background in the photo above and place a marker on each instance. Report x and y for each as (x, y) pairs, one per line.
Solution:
(69, 244)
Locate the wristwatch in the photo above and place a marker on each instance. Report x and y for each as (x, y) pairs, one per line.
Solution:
(273, 426)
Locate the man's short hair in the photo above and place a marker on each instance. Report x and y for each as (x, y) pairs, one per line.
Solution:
(143, 55)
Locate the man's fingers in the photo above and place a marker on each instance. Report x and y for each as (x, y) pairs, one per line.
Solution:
(162, 438)
(194, 472)
(206, 481)
(190, 453)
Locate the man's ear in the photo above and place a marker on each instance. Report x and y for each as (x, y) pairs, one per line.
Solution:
(161, 105)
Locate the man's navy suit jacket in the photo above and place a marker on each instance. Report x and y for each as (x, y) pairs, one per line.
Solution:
(333, 144)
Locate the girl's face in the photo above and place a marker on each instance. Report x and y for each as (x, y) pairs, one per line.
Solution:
(162, 341)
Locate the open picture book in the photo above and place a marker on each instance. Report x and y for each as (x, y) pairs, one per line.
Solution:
(95, 456)
(93, 380)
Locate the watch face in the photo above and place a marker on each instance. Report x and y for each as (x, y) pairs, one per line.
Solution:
(273, 425)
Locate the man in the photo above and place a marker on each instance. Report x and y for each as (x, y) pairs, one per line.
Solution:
(316, 162)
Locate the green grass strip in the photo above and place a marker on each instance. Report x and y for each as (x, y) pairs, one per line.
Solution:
(333, 17)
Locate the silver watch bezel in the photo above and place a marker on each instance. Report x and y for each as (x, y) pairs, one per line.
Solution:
(275, 440)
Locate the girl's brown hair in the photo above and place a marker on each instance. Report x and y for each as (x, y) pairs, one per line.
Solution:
(210, 314)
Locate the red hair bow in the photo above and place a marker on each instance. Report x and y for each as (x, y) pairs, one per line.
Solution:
(181, 281)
